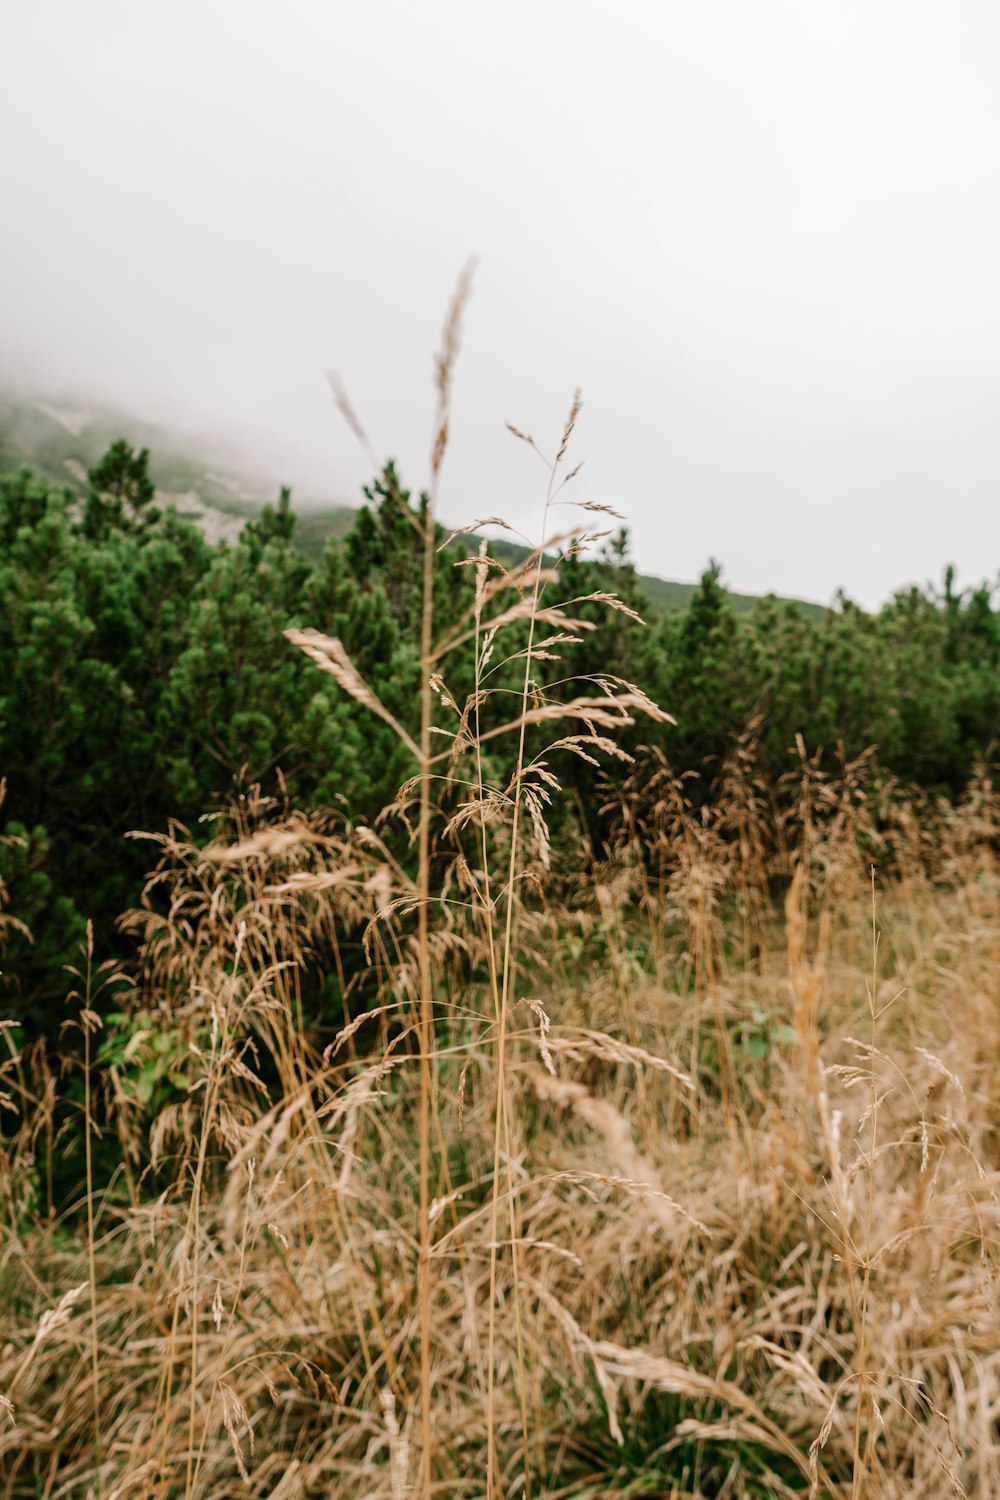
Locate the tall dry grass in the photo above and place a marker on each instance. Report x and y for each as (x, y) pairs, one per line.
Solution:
(669, 1172)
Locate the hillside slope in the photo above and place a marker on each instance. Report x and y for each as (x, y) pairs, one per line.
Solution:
(63, 439)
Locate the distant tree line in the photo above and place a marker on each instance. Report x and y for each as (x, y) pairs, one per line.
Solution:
(146, 678)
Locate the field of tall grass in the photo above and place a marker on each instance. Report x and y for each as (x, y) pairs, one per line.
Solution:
(669, 1169)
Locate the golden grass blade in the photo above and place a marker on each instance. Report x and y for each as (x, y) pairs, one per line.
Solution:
(329, 655)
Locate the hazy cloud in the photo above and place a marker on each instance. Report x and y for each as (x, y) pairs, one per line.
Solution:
(763, 239)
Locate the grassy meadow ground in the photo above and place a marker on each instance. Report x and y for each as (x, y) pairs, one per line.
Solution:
(736, 1233)
(668, 1172)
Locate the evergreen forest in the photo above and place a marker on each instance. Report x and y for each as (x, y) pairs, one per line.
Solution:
(148, 682)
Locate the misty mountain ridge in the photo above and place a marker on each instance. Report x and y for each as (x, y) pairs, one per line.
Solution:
(64, 438)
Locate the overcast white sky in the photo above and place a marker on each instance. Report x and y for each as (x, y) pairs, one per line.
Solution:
(763, 237)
